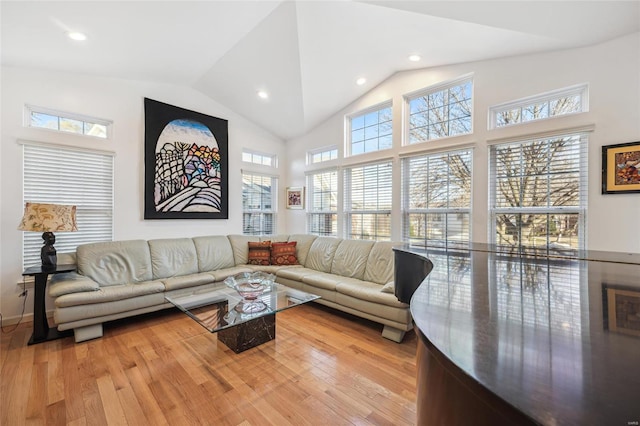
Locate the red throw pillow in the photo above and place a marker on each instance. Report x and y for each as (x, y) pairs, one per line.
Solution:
(284, 253)
(259, 252)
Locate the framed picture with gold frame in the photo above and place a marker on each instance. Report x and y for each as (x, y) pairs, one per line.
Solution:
(621, 168)
(622, 309)
(295, 197)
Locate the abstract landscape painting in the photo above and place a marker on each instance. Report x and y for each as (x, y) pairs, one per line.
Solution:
(185, 164)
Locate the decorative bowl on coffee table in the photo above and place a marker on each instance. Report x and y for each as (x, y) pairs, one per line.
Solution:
(250, 286)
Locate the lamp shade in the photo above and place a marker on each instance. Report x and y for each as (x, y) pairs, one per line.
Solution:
(48, 218)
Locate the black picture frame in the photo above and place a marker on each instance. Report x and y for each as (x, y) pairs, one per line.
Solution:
(621, 168)
(186, 163)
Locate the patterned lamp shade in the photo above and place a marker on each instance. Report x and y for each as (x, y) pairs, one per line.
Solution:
(48, 218)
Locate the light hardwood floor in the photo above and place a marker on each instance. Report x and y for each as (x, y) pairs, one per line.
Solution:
(324, 367)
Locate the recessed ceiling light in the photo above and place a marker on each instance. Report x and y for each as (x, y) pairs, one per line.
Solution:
(361, 81)
(414, 58)
(74, 35)
(262, 94)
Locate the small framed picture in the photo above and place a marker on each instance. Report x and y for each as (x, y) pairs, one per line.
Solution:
(622, 309)
(295, 197)
(621, 168)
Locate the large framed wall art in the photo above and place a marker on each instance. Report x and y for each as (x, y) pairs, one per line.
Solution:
(186, 160)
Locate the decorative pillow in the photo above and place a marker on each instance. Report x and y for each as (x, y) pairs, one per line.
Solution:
(389, 287)
(259, 252)
(284, 253)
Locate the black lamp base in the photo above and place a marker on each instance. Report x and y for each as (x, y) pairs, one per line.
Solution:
(48, 253)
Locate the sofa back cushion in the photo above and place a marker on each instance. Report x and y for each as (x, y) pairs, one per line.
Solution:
(303, 244)
(214, 252)
(321, 253)
(380, 264)
(173, 257)
(240, 247)
(116, 262)
(351, 258)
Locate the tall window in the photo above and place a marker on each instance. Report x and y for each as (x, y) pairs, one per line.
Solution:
(551, 104)
(440, 112)
(258, 204)
(322, 218)
(371, 131)
(367, 204)
(436, 199)
(539, 192)
(60, 175)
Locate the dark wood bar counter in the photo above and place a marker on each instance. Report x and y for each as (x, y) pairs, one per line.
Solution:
(547, 338)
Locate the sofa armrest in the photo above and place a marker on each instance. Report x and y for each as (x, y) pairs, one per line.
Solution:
(71, 282)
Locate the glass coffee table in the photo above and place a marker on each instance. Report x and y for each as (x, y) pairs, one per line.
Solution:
(215, 309)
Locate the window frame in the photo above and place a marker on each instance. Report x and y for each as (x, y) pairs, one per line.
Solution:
(406, 183)
(256, 154)
(321, 151)
(348, 212)
(29, 110)
(362, 113)
(431, 90)
(261, 212)
(581, 90)
(313, 211)
(580, 210)
(92, 210)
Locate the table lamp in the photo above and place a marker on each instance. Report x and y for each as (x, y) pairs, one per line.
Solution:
(48, 218)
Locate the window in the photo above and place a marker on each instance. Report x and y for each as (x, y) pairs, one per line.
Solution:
(65, 122)
(371, 131)
(321, 155)
(538, 191)
(440, 112)
(552, 104)
(367, 209)
(436, 199)
(258, 204)
(258, 158)
(60, 175)
(322, 218)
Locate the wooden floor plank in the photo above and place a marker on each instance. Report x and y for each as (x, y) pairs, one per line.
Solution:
(324, 367)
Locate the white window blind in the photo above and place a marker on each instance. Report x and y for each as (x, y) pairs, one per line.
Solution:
(322, 218)
(538, 191)
(436, 199)
(258, 203)
(60, 175)
(368, 198)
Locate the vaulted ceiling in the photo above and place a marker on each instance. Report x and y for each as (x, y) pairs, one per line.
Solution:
(306, 55)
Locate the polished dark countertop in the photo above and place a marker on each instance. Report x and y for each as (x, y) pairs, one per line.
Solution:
(554, 334)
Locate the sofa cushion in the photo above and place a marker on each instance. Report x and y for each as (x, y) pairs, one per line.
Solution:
(239, 244)
(185, 281)
(214, 252)
(323, 280)
(222, 274)
(295, 273)
(303, 244)
(284, 253)
(259, 253)
(351, 258)
(70, 282)
(109, 294)
(173, 257)
(380, 264)
(321, 253)
(365, 290)
(115, 262)
(389, 287)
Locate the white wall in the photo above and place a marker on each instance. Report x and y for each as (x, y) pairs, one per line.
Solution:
(612, 71)
(120, 101)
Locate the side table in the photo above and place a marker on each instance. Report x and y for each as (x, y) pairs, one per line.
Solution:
(41, 330)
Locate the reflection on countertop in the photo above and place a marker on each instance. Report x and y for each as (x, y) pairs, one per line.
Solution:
(554, 335)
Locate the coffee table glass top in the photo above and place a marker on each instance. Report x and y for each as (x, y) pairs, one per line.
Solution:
(215, 307)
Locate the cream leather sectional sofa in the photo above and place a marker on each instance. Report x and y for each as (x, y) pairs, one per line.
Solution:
(126, 278)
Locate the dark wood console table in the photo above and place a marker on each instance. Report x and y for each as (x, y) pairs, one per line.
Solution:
(41, 330)
(539, 338)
